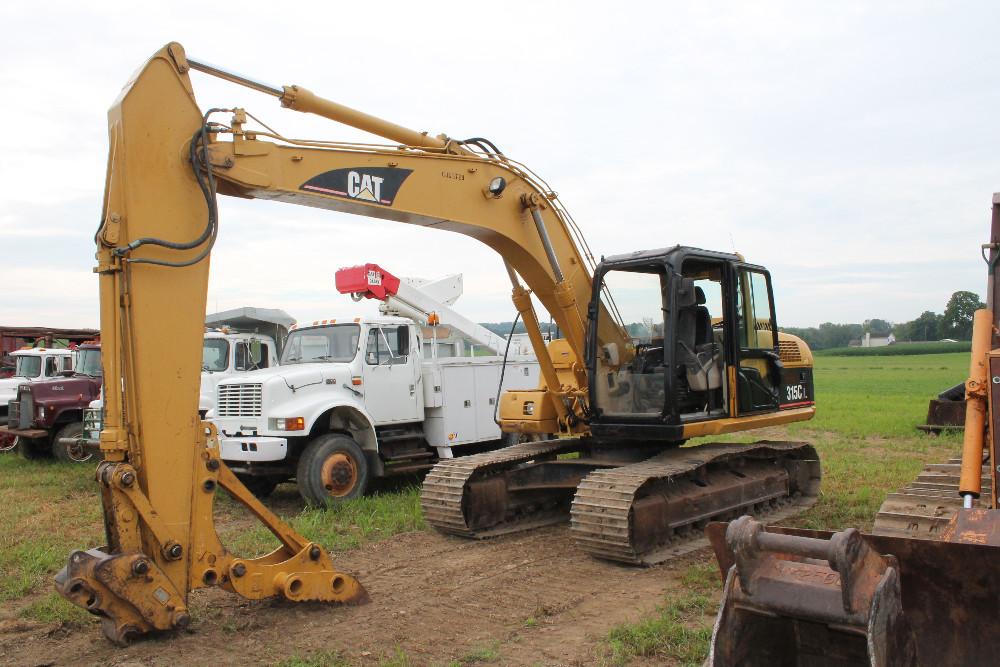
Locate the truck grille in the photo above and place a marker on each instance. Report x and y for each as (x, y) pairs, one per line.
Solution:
(238, 400)
(21, 411)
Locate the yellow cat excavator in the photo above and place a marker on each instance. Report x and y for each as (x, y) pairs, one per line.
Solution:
(657, 347)
(923, 589)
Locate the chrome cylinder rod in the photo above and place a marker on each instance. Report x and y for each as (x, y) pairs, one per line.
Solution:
(233, 77)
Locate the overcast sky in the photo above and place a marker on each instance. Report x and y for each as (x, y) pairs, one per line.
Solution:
(852, 148)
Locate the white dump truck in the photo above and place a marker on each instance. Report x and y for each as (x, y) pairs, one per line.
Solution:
(236, 342)
(356, 399)
(239, 341)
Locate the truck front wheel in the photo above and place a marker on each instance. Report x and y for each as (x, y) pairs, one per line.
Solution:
(32, 448)
(70, 453)
(332, 468)
(260, 486)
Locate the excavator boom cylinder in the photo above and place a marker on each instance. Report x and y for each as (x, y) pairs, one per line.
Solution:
(301, 99)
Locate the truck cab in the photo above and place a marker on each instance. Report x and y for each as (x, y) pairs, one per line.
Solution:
(34, 365)
(46, 415)
(226, 353)
(358, 399)
(30, 365)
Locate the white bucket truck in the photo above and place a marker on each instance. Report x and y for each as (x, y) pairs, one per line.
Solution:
(362, 398)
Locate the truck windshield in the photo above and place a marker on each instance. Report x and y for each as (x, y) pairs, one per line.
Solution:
(88, 362)
(338, 343)
(215, 355)
(28, 367)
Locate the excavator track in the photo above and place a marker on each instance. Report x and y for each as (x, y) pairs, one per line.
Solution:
(444, 488)
(688, 488)
(637, 513)
(924, 508)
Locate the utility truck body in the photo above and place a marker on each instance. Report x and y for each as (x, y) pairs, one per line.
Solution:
(393, 405)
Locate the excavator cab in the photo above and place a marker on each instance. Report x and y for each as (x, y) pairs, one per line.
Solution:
(703, 344)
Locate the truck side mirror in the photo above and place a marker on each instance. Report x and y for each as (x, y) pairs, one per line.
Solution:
(403, 338)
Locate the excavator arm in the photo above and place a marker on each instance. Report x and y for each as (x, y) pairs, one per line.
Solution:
(167, 163)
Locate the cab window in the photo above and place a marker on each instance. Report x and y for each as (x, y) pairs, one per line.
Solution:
(759, 371)
(753, 305)
(215, 355)
(251, 355)
(383, 348)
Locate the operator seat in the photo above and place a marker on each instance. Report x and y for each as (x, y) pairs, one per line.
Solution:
(696, 348)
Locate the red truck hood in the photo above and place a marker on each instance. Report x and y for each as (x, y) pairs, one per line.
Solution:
(78, 388)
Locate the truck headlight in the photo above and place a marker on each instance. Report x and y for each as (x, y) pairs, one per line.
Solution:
(41, 412)
(529, 407)
(287, 423)
(92, 418)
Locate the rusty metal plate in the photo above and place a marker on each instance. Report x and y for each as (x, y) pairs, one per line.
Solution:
(974, 526)
(950, 592)
(25, 432)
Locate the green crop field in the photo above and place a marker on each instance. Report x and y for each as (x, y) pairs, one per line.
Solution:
(899, 349)
(864, 430)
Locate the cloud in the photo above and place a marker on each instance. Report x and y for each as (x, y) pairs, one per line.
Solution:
(843, 146)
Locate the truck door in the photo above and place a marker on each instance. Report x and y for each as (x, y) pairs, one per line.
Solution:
(252, 355)
(758, 375)
(390, 376)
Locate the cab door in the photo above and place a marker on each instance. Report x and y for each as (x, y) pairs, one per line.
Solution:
(758, 371)
(390, 376)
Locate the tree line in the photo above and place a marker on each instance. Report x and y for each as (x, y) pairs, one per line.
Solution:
(955, 323)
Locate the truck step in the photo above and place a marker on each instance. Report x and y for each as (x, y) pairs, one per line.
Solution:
(408, 456)
(402, 469)
(397, 436)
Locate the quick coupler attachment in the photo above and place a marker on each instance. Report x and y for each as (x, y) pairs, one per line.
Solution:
(795, 600)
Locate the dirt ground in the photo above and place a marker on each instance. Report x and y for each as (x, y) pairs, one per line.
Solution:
(433, 597)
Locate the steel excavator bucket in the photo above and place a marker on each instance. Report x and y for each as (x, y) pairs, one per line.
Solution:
(803, 597)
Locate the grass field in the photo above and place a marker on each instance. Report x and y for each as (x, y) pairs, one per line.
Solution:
(864, 431)
(899, 349)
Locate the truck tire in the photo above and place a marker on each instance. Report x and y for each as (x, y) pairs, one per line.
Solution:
(261, 487)
(332, 468)
(8, 442)
(33, 448)
(71, 453)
